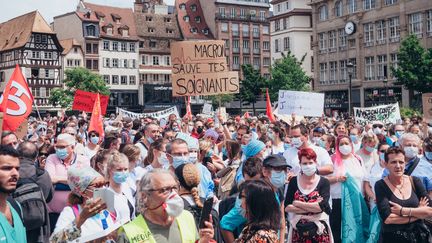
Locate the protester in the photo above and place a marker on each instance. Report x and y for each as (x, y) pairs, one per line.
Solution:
(92, 146)
(227, 175)
(42, 156)
(402, 202)
(9, 138)
(156, 156)
(368, 152)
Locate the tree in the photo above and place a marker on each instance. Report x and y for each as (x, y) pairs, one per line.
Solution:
(78, 78)
(287, 74)
(220, 100)
(252, 85)
(414, 70)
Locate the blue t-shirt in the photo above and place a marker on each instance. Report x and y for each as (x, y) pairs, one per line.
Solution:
(9, 233)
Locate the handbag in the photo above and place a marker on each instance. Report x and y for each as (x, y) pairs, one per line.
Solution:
(307, 229)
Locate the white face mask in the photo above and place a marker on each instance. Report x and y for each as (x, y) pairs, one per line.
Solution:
(163, 160)
(377, 130)
(309, 169)
(296, 142)
(411, 152)
(345, 149)
(315, 140)
(193, 157)
(174, 205)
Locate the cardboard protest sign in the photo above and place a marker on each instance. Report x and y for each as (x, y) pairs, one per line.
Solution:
(384, 113)
(84, 101)
(164, 114)
(207, 109)
(200, 68)
(427, 106)
(300, 103)
(21, 131)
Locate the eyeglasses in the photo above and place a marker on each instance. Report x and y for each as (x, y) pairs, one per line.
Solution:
(382, 151)
(43, 154)
(377, 125)
(165, 190)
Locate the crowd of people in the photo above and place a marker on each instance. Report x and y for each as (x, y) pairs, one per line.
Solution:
(147, 180)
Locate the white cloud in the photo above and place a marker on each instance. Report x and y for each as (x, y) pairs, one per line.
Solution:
(51, 8)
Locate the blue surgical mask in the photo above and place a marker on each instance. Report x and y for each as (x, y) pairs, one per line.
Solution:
(120, 177)
(399, 134)
(271, 135)
(381, 156)
(370, 149)
(428, 155)
(179, 160)
(209, 153)
(278, 178)
(321, 143)
(354, 138)
(150, 140)
(62, 153)
(94, 140)
(287, 146)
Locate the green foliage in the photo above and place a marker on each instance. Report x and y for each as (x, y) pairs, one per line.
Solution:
(409, 112)
(414, 70)
(220, 100)
(287, 74)
(78, 78)
(252, 85)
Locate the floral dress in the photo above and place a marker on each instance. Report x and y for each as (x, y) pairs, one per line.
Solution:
(260, 236)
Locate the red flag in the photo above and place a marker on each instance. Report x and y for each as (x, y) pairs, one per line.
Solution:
(269, 110)
(96, 122)
(16, 101)
(246, 115)
(188, 108)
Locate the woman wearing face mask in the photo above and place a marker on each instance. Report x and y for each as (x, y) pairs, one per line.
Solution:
(156, 157)
(276, 134)
(117, 173)
(227, 175)
(262, 225)
(375, 174)
(340, 129)
(86, 215)
(93, 144)
(308, 202)
(344, 162)
(136, 172)
(368, 152)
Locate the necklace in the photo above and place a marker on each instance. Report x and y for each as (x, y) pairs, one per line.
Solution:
(399, 188)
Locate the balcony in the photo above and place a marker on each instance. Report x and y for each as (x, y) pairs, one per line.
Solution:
(381, 41)
(245, 33)
(256, 34)
(394, 39)
(235, 33)
(251, 18)
(236, 50)
(256, 66)
(236, 66)
(256, 51)
(246, 50)
(368, 43)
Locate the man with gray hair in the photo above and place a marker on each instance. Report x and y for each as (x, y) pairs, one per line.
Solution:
(162, 217)
(57, 165)
(79, 148)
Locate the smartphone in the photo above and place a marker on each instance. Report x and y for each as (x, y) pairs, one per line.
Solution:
(205, 212)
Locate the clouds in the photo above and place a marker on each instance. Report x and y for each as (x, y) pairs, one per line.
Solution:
(51, 8)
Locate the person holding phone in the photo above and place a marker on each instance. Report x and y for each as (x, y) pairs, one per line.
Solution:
(163, 218)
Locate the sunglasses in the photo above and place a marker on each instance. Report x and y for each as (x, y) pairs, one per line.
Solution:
(382, 151)
(377, 125)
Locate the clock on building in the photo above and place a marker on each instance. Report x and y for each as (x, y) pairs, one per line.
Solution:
(350, 28)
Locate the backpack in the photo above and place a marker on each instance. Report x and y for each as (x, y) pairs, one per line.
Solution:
(29, 195)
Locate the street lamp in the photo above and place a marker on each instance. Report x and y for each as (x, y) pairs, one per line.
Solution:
(385, 81)
(350, 68)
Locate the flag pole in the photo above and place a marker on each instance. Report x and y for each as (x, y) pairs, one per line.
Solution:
(37, 109)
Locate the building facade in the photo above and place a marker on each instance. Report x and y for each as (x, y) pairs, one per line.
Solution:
(108, 37)
(72, 55)
(291, 31)
(28, 41)
(157, 28)
(366, 34)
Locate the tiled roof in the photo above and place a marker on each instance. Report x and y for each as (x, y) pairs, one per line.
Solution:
(110, 13)
(187, 26)
(158, 24)
(16, 32)
(68, 44)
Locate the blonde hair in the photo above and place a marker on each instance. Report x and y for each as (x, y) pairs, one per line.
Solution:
(113, 159)
(132, 152)
(189, 180)
(370, 137)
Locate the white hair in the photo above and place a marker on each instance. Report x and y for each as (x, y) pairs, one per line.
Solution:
(69, 139)
(410, 136)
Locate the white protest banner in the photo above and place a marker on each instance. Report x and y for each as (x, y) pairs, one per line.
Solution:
(427, 106)
(300, 103)
(164, 114)
(384, 113)
(207, 109)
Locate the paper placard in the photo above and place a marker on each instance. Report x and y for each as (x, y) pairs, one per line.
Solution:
(301, 103)
(427, 106)
(385, 113)
(207, 109)
(84, 101)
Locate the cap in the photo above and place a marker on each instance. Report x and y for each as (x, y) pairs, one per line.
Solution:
(275, 161)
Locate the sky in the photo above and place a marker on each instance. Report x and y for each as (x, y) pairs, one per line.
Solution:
(51, 8)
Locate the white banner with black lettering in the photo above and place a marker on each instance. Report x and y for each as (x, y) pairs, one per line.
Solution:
(164, 114)
(384, 113)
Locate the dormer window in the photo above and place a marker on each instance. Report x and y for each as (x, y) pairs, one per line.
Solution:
(116, 18)
(149, 18)
(194, 30)
(182, 6)
(124, 31)
(186, 18)
(91, 30)
(205, 31)
(169, 31)
(167, 20)
(198, 19)
(100, 15)
(109, 30)
(193, 7)
(87, 14)
(150, 30)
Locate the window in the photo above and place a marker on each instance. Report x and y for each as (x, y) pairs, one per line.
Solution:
(323, 73)
(285, 23)
(279, 8)
(115, 62)
(390, 2)
(415, 23)
(150, 30)
(394, 28)
(156, 60)
(233, 13)
(236, 45)
(132, 47)
(48, 55)
(322, 42)
(95, 65)
(198, 19)
(276, 45)
(167, 20)
(132, 80)
(89, 64)
(381, 31)
(109, 31)
(167, 60)
(332, 40)
(152, 44)
(245, 44)
(182, 6)
(235, 29)
(77, 62)
(47, 73)
(123, 79)
(266, 45)
(368, 4)
(222, 12)
(256, 62)
(342, 39)
(69, 62)
(125, 63)
(115, 79)
(242, 13)
(266, 30)
(141, 44)
(194, 30)
(343, 72)
(351, 6)
(44, 39)
(91, 30)
(106, 62)
(144, 59)
(149, 18)
(224, 27)
(286, 44)
(115, 46)
(429, 22)
(95, 48)
(236, 61)
(256, 45)
(37, 38)
(266, 61)
(106, 78)
(382, 67)
(106, 45)
(277, 25)
(246, 60)
(338, 8)
(186, 18)
(323, 12)
(125, 33)
(193, 7)
(333, 71)
(369, 68)
(262, 15)
(36, 54)
(393, 62)
(368, 34)
(123, 46)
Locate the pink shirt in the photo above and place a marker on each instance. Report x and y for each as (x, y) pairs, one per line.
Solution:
(56, 168)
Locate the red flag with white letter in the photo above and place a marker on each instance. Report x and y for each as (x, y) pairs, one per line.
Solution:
(96, 121)
(16, 101)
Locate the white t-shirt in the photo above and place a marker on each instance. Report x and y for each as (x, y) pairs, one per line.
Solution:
(375, 175)
(89, 153)
(143, 150)
(291, 156)
(278, 149)
(129, 188)
(355, 169)
(121, 207)
(368, 160)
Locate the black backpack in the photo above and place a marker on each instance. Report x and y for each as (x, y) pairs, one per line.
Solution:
(31, 198)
